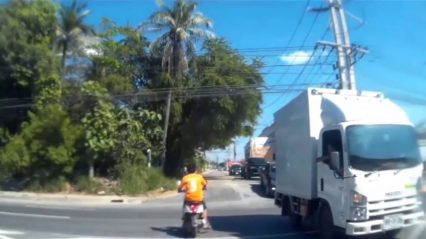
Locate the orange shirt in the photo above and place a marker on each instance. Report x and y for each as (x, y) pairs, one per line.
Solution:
(193, 185)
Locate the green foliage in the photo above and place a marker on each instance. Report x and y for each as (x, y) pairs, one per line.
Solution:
(93, 120)
(45, 148)
(29, 67)
(88, 185)
(119, 67)
(206, 123)
(181, 27)
(25, 54)
(53, 185)
(71, 27)
(137, 130)
(100, 124)
(136, 179)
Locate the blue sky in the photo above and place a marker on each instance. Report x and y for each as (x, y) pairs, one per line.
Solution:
(393, 31)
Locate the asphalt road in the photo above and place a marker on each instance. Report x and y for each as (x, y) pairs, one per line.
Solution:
(237, 209)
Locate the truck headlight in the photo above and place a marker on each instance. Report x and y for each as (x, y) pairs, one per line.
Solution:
(359, 213)
(358, 199)
(359, 207)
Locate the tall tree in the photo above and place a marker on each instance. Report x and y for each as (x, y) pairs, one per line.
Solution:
(28, 66)
(71, 26)
(212, 122)
(181, 27)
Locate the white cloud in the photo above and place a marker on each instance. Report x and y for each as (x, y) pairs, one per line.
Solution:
(296, 58)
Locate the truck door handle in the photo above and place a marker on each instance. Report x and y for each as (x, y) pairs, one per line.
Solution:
(322, 184)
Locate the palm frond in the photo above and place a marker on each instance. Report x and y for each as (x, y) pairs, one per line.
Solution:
(198, 33)
(162, 17)
(182, 34)
(163, 39)
(200, 19)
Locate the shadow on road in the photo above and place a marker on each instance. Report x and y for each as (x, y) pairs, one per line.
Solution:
(213, 177)
(256, 188)
(253, 225)
(175, 232)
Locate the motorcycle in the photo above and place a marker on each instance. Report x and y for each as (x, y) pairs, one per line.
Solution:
(192, 218)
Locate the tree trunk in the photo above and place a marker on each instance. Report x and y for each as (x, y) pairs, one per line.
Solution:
(64, 55)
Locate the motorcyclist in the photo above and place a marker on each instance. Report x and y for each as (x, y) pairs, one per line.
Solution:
(193, 185)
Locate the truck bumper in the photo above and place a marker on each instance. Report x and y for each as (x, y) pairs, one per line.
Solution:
(375, 226)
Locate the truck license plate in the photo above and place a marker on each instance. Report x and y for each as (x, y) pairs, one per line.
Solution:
(393, 222)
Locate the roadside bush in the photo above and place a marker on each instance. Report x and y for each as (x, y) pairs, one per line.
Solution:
(137, 179)
(88, 185)
(44, 152)
(51, 186)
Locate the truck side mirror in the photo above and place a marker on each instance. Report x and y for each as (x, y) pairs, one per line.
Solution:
(335, 161)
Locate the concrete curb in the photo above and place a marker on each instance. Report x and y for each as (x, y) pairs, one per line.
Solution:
(80, 199)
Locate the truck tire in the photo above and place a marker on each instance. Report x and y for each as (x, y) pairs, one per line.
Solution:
(294, 219)
(267, 190)
(248, 176)
(326, 225)
(285, 211)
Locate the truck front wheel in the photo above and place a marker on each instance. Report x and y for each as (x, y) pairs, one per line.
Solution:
(326, 226)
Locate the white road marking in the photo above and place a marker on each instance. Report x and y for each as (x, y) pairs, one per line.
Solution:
(5, 237)
(59, 207)
(8, 232)
(281, 235)
(5, 234)
(32, 215)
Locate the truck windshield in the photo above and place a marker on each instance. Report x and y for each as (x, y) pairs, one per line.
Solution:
(382, 147)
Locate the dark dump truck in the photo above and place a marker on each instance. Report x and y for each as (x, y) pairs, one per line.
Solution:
(253, 167)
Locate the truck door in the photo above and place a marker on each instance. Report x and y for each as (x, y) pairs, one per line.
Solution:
(330, 181)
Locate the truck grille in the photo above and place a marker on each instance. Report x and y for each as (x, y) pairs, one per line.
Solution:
(390, 206)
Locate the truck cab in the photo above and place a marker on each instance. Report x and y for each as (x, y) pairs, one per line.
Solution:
(373, 176)
(348, 160)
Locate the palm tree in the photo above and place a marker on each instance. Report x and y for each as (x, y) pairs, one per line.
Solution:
(181, 27)
(71, 26)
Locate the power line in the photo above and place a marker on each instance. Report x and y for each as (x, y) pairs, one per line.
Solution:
(304, 67)
(299, 22)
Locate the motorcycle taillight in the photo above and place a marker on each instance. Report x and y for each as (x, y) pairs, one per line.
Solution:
(194, 208)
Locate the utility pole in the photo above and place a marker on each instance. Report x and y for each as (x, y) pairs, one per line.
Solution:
(235, 152)
(349, 64)
(346, 53)
(335, 6)
(166, 126)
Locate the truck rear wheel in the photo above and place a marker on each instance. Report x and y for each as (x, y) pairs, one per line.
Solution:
(294, 219)
(326, 225)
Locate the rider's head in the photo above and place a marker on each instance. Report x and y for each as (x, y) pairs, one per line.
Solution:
(191, 168)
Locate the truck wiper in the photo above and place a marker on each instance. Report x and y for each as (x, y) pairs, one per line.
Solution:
(370, 173)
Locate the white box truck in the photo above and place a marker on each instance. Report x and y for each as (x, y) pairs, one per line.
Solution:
(348, 160)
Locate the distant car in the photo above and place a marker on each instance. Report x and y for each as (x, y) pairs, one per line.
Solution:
(252, 167)
(235, 169)
(267, 179)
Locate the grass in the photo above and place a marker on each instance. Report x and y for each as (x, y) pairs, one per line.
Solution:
(137, 179)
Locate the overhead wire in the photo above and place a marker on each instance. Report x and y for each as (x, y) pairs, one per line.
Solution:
(304, 66)
(293, 34)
